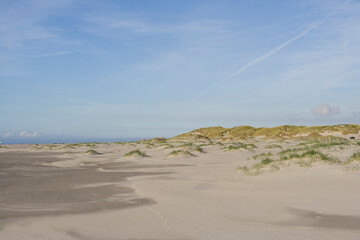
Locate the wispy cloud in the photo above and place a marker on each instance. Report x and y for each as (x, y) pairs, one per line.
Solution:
(22, 21)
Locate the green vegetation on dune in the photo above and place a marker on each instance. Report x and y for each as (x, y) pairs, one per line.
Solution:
(246, 132)
(325, 142)
(181, 153)
(92, 152)
(75, 145)
(188, 147)
(188, 144)
(240, 145)
(273, 146)
(302, 156)
(136, 152)
(354, 157)
(167, 146)
(261, 155)
(199, 149)
(295, 153)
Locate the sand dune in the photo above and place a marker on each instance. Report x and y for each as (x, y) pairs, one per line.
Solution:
(283, 189)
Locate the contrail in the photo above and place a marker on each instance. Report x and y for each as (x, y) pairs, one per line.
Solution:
(262, 57)
(273, 51)
(269, 53)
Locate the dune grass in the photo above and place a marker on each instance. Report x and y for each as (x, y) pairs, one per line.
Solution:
(121, 143)
(281, 132)
(325, 142)
(263, 163)
(93, 152)
(354, 157)
(37, 147)
(303, 157)
(244, 169)
(75, 145)
(181, 153)
(290, 154)
(273, 146)
(199, 149)
(206, 144)
(169, 146)
(240, 145)
(160, 140)
(136, 152)
(261, 155)
(189, 144)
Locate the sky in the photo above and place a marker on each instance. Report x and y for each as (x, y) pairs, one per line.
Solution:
(75, 70)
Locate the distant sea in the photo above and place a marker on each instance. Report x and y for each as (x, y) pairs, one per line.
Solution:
(44, 140)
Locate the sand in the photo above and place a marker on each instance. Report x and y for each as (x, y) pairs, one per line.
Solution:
(61, 192)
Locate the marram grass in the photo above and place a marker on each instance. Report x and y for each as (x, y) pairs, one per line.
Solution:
(181, 153)
(92, 152)
(136, 152)
(246, 132)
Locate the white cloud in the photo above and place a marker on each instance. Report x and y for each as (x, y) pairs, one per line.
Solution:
(22, 134)
(325, 110)
(29, 134)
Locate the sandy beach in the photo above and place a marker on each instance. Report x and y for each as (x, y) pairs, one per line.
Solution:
(163, 189)
(179, 120)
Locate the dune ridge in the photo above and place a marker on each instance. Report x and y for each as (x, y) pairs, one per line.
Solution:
(284, 131)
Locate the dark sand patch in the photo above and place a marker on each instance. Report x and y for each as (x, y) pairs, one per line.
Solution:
(306, 218)
(28, 188)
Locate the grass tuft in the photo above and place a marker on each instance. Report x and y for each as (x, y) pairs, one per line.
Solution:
(354, 157)
(136, 152)
(255, 157)
(240, 145)
(244, 169)
(263, 163)
(181, 152)
(273, 146)
(199, 149)
(92, 152)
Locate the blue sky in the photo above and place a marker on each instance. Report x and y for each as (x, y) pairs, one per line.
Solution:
(72, 69)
